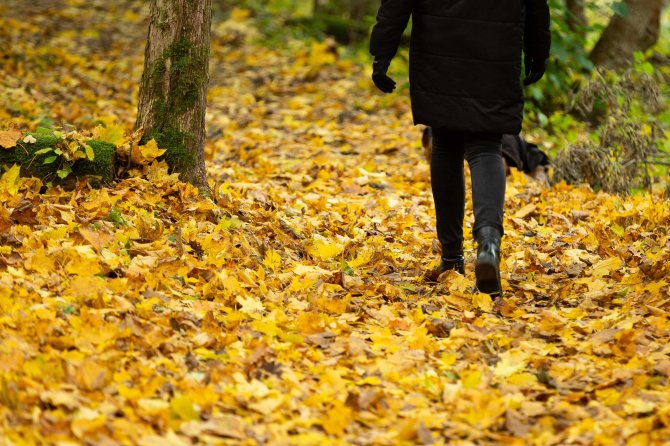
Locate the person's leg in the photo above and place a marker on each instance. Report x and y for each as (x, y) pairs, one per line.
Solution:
(484, 155)
(448, 185)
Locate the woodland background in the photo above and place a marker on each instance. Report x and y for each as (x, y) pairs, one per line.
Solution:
(288, 307)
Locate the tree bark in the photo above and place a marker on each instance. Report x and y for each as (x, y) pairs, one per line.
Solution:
(173, 90)
(576, 17)
(636, 31)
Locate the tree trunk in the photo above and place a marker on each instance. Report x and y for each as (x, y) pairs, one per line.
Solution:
(636, 31)
(576, 17)
(173, 92)
(358, 9)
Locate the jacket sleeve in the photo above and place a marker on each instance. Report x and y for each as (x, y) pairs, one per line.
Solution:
(537, 34)
(392, 19)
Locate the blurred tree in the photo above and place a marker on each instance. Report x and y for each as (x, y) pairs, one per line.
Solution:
(576, 16)
(634, 27)
(346, 20)
(174, 84)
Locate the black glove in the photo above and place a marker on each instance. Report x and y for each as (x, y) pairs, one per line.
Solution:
(379, 77)
(534, 71)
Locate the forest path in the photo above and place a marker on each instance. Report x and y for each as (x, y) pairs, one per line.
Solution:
(292, 309)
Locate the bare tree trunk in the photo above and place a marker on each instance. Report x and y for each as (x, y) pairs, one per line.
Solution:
(173, 92)
(637, 31)
(576, 16)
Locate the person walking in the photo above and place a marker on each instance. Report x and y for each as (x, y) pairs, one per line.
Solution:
(465, 83)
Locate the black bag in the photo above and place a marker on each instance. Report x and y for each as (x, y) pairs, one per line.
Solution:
(523, 155)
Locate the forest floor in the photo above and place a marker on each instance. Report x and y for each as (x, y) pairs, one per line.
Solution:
(291, 309)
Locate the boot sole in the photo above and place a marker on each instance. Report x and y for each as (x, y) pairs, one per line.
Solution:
(488, 278)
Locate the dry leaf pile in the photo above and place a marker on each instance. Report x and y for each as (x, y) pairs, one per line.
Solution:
(290, 309)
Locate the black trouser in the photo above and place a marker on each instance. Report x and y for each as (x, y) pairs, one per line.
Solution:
(484, 155)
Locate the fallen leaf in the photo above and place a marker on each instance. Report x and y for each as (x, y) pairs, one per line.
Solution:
(9, 138)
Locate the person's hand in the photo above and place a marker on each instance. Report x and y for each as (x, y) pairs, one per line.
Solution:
(379, 76)
(534, 71)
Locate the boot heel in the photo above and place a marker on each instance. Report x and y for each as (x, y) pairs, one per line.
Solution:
(487, 266)
(488, 279)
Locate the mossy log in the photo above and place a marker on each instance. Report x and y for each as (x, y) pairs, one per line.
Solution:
(36, 160)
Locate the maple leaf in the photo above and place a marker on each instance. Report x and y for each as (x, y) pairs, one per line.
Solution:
(146, 154)
(272, 260)
(112, 134)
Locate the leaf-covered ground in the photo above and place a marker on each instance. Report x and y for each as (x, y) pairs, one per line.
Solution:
(291, 309)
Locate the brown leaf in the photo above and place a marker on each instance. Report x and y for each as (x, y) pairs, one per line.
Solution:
(9, 138)
(440, 327)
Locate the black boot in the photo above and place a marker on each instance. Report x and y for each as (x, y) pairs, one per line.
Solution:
(455, 263)
(487, 267)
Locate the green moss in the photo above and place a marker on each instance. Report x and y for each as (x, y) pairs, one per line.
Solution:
(102, 165)
(184, 92)
(185, 84)
(179, 157)
(174, 140)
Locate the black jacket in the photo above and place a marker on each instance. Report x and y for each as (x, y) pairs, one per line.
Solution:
(465, 58)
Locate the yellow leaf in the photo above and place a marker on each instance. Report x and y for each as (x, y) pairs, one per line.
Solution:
(268, 405)
(362, 258)
(40, 262)
(608, 396)
(250, 305)
(522, 379)
(148, 227)
(605, 267)
(169, 439)
(129, 393)
(112, 134)
(152, 405)
(448, 359)
(92, 375)
(146, 154)
(82, 261)
(326, 251)
(268, 327)
(337, 419)
(471, 379)
(182, 408)
(87, 286)
(10, 180)
(382, 338)
(414, 432)
(239, 14)
(272, 260)
(68, 400)
(638, 406)
(511, 362)
(90, 154)
(370, 380)
(482, 302)
(86, 421)
(525, 211)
